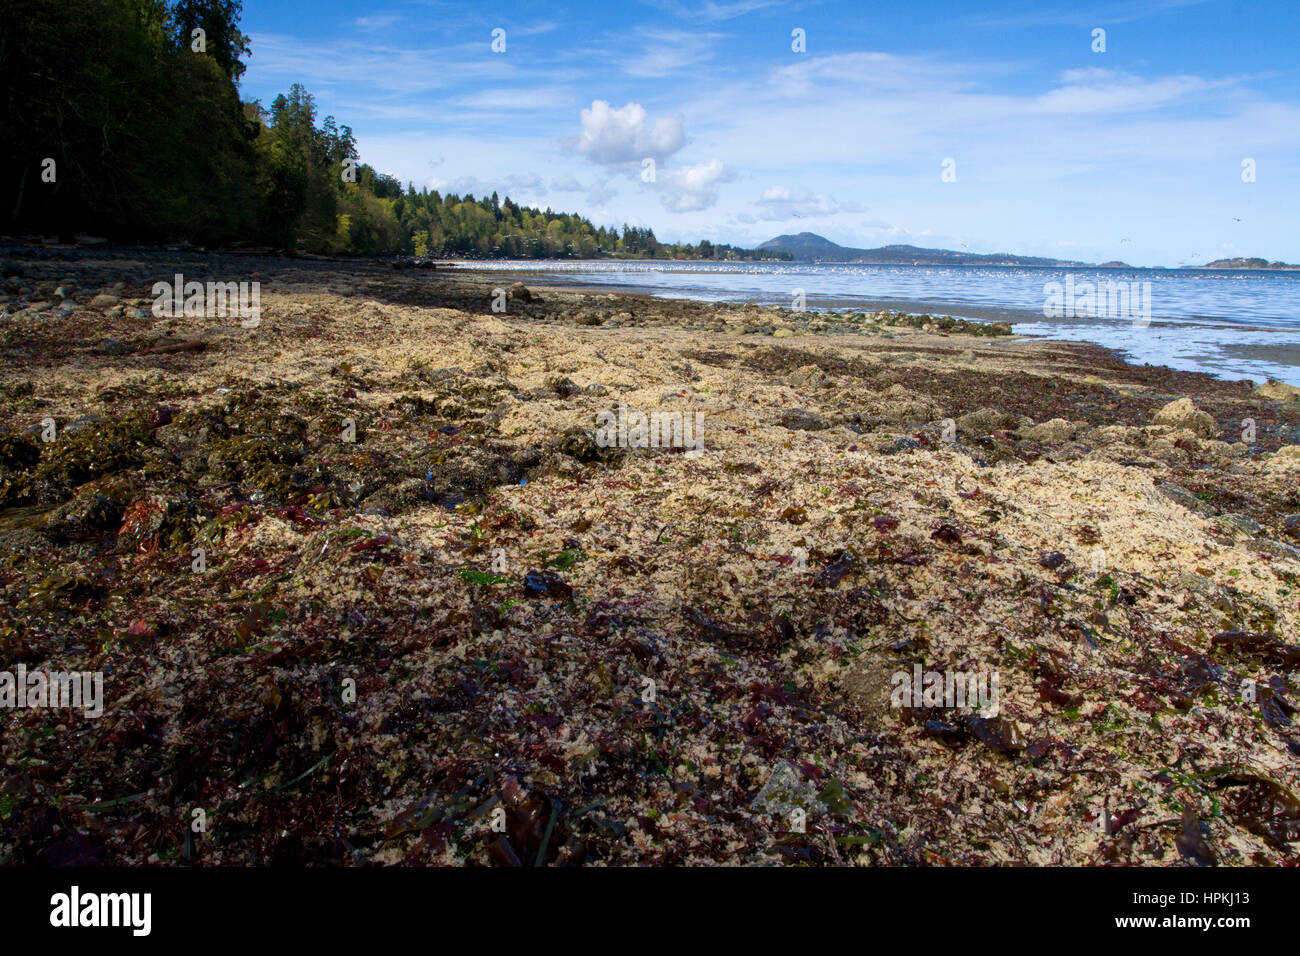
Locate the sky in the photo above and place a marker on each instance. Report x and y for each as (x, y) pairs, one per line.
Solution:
(1173, 137)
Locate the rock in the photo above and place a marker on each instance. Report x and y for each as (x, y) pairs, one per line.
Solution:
(797, 419)
(115, 347)
(1275, 548)
(104, 300)
(1185, 498)
(563, 386)
(1287, 457)
(1056, 431)
(984, 421)
(806, 375)
(84, 423)
(1243, 523)
(786, 791)
(1291, 525)
(1184, 414)
(896, 445)
(521, 292)
(546, 584)
(1278, 391)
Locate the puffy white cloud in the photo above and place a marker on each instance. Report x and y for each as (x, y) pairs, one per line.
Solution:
(693, 188)
(613, 137)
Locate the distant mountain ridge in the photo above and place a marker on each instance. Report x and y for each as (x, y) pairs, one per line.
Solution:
(1241, 263)
(812, 247)
(807, 245)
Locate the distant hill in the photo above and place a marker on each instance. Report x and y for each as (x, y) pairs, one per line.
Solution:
(807, 245)
(1244, 264)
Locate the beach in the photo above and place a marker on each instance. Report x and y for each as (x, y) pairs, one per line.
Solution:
(365, 587)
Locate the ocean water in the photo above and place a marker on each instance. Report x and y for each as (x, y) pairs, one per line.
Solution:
(1231, 324)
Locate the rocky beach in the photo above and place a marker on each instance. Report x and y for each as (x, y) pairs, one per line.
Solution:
(365, 588)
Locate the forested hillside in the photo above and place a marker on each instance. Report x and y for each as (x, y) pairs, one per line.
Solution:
(123, 119)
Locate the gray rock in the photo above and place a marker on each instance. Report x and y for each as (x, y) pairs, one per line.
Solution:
(84, 423)
(798, 419)
(902, 443)
(785, 791)
(1182, 496)
(115, 347)
(1275, 548)
(563, 386)
(1243, 523)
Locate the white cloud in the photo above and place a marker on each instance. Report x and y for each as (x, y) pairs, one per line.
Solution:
(379, 21)
(613, 137)
(711, 10)
(693, 188)
(779, 202)
(529, 185)
(669, 52)
(534, 98)
(601, 193)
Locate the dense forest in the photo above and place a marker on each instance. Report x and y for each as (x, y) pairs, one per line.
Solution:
(123, 119)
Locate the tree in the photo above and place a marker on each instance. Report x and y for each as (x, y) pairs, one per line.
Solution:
(219, 20)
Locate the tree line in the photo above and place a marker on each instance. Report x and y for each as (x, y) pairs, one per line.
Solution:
(123, 119)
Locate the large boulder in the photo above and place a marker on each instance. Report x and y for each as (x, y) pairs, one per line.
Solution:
(1055, 431)
(1278, 391)
(1184, 414)
(1286, 458)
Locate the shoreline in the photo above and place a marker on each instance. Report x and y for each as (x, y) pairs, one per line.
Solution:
(1190, 344)
(654, 656)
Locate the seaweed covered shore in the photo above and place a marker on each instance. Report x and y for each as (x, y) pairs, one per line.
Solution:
(366, 588)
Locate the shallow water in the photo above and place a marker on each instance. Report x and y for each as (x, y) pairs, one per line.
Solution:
(1232, 324)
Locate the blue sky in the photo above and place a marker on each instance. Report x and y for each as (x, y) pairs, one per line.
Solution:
(1134, 153)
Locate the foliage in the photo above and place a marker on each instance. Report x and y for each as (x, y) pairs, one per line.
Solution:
(150, 143)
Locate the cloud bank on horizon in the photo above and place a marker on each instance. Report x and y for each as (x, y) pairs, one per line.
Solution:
(1170, 136)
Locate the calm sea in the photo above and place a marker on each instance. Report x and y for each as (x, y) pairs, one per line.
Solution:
(1231, 324)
